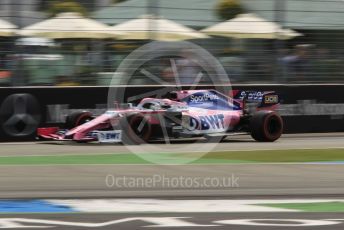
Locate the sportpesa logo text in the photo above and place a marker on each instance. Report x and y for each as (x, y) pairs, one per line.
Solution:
(203, 97)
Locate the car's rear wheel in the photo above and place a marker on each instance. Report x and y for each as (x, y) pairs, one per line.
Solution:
(136, 129)
(78, 118)
(266, 126)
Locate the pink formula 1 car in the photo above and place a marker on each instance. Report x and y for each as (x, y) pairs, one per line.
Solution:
(187, 113)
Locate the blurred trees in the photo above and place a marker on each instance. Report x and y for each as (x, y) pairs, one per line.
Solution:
(56, 7)
(118, 1)
(228, 9)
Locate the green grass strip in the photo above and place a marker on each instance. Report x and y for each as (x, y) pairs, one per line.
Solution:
(298, 155)
(270, 156)
(311, 207)
(73, 159)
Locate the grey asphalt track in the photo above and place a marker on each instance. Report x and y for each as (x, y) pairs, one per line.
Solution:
(83, 181)
(232, 143)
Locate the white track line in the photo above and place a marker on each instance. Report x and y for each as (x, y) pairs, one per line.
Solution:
(182, 206)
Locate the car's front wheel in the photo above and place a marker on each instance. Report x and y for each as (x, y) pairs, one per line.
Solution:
(136, 129)
(78, 118)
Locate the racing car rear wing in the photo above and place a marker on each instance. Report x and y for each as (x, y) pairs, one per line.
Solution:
(262, 99)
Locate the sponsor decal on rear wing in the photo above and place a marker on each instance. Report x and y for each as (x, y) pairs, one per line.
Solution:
(261, 98)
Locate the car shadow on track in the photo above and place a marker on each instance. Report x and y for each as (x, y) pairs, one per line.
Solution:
(172, 142)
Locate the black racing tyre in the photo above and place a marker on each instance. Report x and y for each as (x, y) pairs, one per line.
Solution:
(136, 129)
(266, 126)
(78, 118)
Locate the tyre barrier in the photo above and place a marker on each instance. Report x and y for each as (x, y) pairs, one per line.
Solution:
(20, 116)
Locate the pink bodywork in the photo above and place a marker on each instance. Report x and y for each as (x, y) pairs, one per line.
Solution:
(199, 116)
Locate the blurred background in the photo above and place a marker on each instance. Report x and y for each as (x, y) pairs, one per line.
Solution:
(72, 43)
